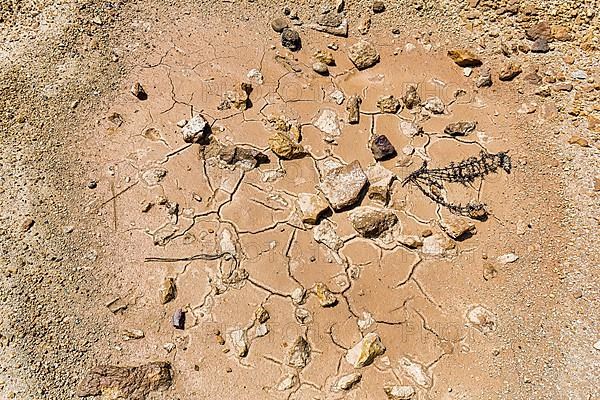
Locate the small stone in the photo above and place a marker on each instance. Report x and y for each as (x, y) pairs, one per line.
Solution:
(325, 233)
(366, 321)
(134, 383)
(380, 180)
(456, 227)
(378, 6)
(343, 186)
(410, 129)
(298, 295)
(239, 339)
(167, 290)
(410, 241)
(353, 108)
(482, 319)
(299, 354)
(436, 245)
(287, 382)
(509, 71)
(597, 184)
(597, 345)
(461, 128)
(324, 56)
(467, 71)
(507, 258)
(261, 315)
(311, 207)
(320, 68)
(261, 330)
(325, 296)
(337, 96)
(255, 76)
(389, 104)
(346, 382)
(284, 147)
(290, 39)
(540, 46)
(138, 91)
(464, 58)
(371, 221)
(579, 74)
(92, 184)
(527, 108)
(411, 98)
(196, 130)
(129, 334)
(363, 55)
(484, 79)
(182, 122)
(365, 351)
(539, 30)
(328, 123)
(489, 271)
(364, 25)
(416, 372)
(179, 319)
(237, 98)
(382, 148)
(435, 105)
(27, 224)
(578, 140)
(279, 24)
(397, 392)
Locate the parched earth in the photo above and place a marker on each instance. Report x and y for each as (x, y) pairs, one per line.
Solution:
(235, 232)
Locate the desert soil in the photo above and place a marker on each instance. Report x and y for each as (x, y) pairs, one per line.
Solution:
(116, 222)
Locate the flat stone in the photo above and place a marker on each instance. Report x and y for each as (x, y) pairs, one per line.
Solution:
(363, 55)
(539, 30)
(365, 351)
(311, 207)
(167, 290)
(291, 39)
(509, 71)
(239, 340)
(324, 295)
(133, 334)
(410, 129)
(482, 319)
(328, 123)
(416, 372)
(436, 245)
(507, 258)
(461, 128)
(196, 130)
(279, 24)
(485, 78)
(540, 45)
(389, 104)
(299, 354)
(397, 392)
(133, 383)
(382, 148)
(325, 233)
(371, 221)
(464, 58)
(353, 108)
(457, 227)
(287, 382)
(346, 382)
(435, 105)
(339, 30)
(343, 186)
(380, 181)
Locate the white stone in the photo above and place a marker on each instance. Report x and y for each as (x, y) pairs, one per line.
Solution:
(239, 341)
(416, 372)
(346, 382)
(256, 76)
(397, 392)
(507, 258)
(365, 351)
(328, 122)
(410, 129)
(338, 97)
(482, 319)
(325, 234)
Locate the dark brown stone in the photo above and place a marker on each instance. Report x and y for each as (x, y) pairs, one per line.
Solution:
(382, 148)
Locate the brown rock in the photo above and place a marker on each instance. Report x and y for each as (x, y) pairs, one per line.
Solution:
(597, 184)
(132, 383)
(167, 291)
(279, 24)
(326, 57)
(561, 33)
(353, 108)
(509, 71)
(237, 98)
(456, 227)
(343, 186)
(27, 224)
(411, 98)
(284, 147)
(371, 221)
(363, 55)
(378, 6)
(578, 140)
(389, 104)
(325, 296)
(299, 354)
(365, 351)
(461, 128)
(138, 91)
(311, 207)
(540, 46)
(539, 30)
(464, 58)
(382, 148)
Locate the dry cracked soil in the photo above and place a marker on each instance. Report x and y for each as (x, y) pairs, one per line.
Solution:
(387, 200)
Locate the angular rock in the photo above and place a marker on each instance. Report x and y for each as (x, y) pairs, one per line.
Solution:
(482, 319)
(167, 290)
(239, 339)
(371, 221)
(509, 71)
(328, 122)
(339, 30)
(337, 96)
(238, 98)
(540, 46)
(382, 148)
(364, 25)
(343, 186)
(346, 382)
(410, 129)
(411, 97)
(539, 30)
(389, 104)
(436, 245)
(464, 58)
(138, 91)
(324, 295)
(353, 108)
(410, 241)
(485, 78)
(298, 295)
(179, 319)
(311, 207)
(132, 383)
(416, 372)
(457, 227)
(261, 315)
(461, 128)
(279, 24)
(397, 392)
(326, 57)
(364, 352)
(380, 181)
(325, 233)
(131, 334)
(284, 147)
(287, 382)
(299, 354)
(196, 130)
(291, 39)
(256, 76)
(320, 68)
(435, 105)
(363, 55)
(245, 155)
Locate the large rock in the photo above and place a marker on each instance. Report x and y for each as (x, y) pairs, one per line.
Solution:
(291, 39)
(464, 58)
(311, 207)
(382, 148)
(132, 383)
(365, 351)
(363, 54)
(343, 185)
(196, 130)
(328, 123)
(371, 221)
